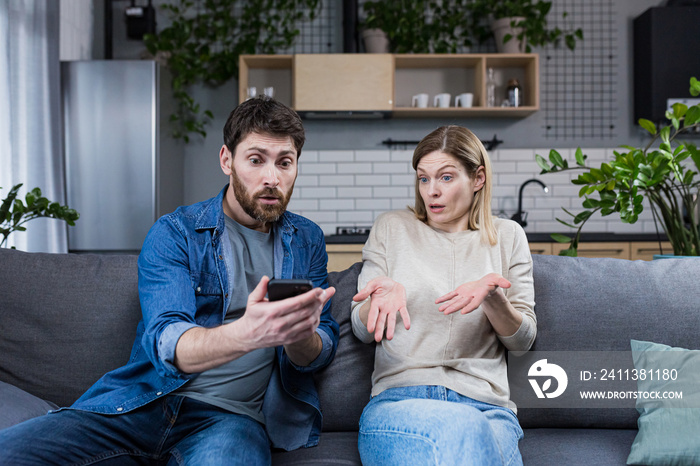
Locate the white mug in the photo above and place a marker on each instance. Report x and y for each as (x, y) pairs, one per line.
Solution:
(464, 100)
(442, 100)
(252, 92)
(269, 91)
(419, 100)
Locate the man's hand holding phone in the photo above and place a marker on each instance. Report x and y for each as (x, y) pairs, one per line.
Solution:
(286, 321)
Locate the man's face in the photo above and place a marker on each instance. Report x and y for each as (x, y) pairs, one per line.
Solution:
(262, 174)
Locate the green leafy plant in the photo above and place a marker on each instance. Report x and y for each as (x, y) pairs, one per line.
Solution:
(535, 30)
(206, 37)
(664, 175)
(420, 26)
(14, 212)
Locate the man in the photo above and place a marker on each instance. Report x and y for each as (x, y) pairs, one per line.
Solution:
(217, 373)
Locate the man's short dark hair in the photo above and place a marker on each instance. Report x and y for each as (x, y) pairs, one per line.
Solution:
(263, 115)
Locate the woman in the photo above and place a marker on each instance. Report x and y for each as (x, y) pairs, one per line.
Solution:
(445, 290)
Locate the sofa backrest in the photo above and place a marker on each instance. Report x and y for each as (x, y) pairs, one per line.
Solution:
(582, 304)
(585, 304)
(65, 320)
(344, 386)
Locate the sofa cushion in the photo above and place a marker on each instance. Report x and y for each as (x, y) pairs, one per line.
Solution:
(669, 434)
(17, 405)
(334, 448)
(585, 304)
(66, 319)
(345, 385)
(576, 447)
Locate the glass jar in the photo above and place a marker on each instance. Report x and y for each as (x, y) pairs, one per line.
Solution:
(514, 93)
(490, 89)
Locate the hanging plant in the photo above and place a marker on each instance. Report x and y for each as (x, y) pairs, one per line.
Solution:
(532, 21)
(206, 37)
(420, 26)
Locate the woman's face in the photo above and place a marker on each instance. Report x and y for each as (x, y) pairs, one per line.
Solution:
(447, 190)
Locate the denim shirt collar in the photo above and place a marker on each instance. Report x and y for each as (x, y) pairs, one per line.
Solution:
(211, 217)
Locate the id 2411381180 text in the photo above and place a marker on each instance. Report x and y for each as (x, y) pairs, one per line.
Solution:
(629, 374)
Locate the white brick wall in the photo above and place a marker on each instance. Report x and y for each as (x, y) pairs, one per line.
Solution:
(351, 188)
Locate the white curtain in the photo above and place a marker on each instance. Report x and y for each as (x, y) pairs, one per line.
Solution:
(76, 29)
(30, 114)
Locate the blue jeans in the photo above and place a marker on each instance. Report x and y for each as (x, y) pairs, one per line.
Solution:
(434, 425)
(173, 430)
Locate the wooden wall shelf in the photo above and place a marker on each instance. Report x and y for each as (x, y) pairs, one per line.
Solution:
(387, 82)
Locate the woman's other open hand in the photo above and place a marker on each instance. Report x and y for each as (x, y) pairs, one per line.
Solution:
(470, 295)
(387, 298)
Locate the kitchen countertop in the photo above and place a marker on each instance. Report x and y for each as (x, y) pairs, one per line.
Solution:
(531, 237)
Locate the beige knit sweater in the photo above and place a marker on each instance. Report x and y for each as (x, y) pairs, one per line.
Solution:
(460, 352)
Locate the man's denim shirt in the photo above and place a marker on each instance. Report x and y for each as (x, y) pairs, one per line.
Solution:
(184, 282)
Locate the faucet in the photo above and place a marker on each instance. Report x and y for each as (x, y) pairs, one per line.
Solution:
(520, 216)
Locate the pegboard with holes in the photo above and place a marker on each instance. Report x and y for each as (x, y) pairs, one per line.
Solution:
(323, 34)
(578, 94)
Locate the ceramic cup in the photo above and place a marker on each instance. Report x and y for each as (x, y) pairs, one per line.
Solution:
(464, 100)
(252, 92)
(269, 91)
(442, 100)
(419, 100)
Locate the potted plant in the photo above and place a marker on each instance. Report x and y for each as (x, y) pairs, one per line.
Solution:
(665, 175)
(418, 26)
(204, 40)
(14, 213)
(517, 25)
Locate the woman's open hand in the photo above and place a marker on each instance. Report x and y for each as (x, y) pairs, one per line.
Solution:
(387, 297)
(470, 295)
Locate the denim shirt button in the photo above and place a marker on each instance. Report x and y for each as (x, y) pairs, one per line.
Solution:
(159, 393)
(119, 410)
(221, 257)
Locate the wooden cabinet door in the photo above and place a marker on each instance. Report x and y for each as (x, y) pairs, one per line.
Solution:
(645, 250)
(342, 256)
(343, 82)
(541, 248)
(617, 250)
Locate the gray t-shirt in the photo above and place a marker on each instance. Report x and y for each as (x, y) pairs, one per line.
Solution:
(239, 386)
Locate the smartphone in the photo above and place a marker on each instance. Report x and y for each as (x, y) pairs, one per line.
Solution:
(283, 288)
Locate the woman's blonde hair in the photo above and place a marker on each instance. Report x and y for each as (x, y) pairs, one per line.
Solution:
(462, 144)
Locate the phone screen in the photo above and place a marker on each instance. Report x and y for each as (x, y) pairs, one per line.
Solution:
(281, 288)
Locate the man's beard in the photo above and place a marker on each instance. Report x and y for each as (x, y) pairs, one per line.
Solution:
(261, 212)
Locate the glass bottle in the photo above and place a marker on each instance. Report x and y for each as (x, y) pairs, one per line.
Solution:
(514, 93)
(490, 89)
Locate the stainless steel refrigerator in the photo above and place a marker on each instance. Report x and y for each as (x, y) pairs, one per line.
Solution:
(123, 169)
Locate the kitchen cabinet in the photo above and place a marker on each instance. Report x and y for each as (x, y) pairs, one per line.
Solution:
(386, 83)
(617, 249)
(540, 248)
(645, 250)
(342, 256)
(346, 82)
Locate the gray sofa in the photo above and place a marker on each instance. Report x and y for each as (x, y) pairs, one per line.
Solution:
(66, 319)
